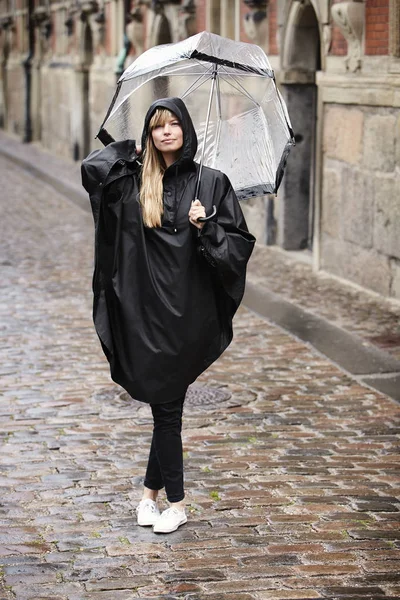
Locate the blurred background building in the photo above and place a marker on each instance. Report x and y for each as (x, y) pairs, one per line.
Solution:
(338, 66)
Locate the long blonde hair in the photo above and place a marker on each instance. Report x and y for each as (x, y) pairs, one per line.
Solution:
(151, 189)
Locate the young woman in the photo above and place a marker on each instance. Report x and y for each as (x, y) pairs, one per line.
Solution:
(166, 286)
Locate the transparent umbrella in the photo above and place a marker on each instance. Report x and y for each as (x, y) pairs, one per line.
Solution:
(230, 91)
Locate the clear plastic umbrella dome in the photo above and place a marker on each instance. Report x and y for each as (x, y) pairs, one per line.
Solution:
(229, 88)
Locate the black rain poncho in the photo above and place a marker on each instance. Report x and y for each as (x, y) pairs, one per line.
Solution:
(164, 298)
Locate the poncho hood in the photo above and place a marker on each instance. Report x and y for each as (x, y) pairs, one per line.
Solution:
(176, 106)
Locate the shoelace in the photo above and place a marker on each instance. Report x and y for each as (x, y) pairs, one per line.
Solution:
(149, 505)
(172, 510)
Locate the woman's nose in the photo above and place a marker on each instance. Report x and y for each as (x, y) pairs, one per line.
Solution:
(167, 128)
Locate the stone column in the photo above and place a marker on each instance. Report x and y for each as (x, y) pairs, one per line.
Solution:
(5, 26)
(394, 28)
(259, 212)
(80, 117)
(42, 36)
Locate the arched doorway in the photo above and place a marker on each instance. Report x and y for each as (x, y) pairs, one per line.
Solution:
(301, 59)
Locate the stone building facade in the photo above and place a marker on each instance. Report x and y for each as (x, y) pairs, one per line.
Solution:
(336, 61)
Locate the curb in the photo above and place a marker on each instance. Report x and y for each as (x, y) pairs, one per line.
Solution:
(65, 187)
(366, 363)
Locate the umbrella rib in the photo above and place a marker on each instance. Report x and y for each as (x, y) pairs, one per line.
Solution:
(166, 74)
(240, 88)
(245, 74)
(192, 87)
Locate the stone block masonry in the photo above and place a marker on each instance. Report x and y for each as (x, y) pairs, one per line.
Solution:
(380, 141)
(387, 216)
(343, 133)
(360, 221)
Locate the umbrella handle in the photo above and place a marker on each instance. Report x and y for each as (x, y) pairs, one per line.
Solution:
(105, 137)
(204, 219)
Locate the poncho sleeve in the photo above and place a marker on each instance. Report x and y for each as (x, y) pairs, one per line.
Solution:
(226, 242)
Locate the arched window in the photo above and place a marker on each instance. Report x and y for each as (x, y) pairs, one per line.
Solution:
(302, 47)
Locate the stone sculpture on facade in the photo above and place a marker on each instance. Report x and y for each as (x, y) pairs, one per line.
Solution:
(187, 19)
(98, 22)
(42, 20)
(349, 17)
(327, 37)
(256, 22)
(135, 29)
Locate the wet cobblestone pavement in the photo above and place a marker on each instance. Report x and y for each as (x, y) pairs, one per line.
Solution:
(373, 318)
(292, 478)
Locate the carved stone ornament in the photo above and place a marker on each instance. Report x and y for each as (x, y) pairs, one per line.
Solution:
(256, 22)
(135, 29)
(7, 23)
(98, 25)
(349, 17)
(69, 25)
(41, 19)
(88, 8)
(327, 37)
(158, 5)
(6, 27)
(187, 19)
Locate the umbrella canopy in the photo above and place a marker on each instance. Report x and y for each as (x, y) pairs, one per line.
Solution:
(230, 91)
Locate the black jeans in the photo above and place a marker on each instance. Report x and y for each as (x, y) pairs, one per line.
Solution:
(165, 466)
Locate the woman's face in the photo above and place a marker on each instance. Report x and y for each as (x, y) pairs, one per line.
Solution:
(168, 137)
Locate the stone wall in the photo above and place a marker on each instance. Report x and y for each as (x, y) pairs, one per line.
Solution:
(360, 216)
(63, 110)
(57, 99)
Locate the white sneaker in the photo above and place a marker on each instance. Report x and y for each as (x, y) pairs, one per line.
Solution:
(147, 513)
(170, 520)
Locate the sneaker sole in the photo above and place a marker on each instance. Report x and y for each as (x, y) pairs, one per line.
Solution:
(170, 530)
(145, 524)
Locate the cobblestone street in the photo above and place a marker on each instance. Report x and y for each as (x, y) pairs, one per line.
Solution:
(291, 466)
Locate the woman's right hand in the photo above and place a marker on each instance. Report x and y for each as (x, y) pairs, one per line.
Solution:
(197, 210)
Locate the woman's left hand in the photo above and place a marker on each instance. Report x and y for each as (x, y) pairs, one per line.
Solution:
(197, 210)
